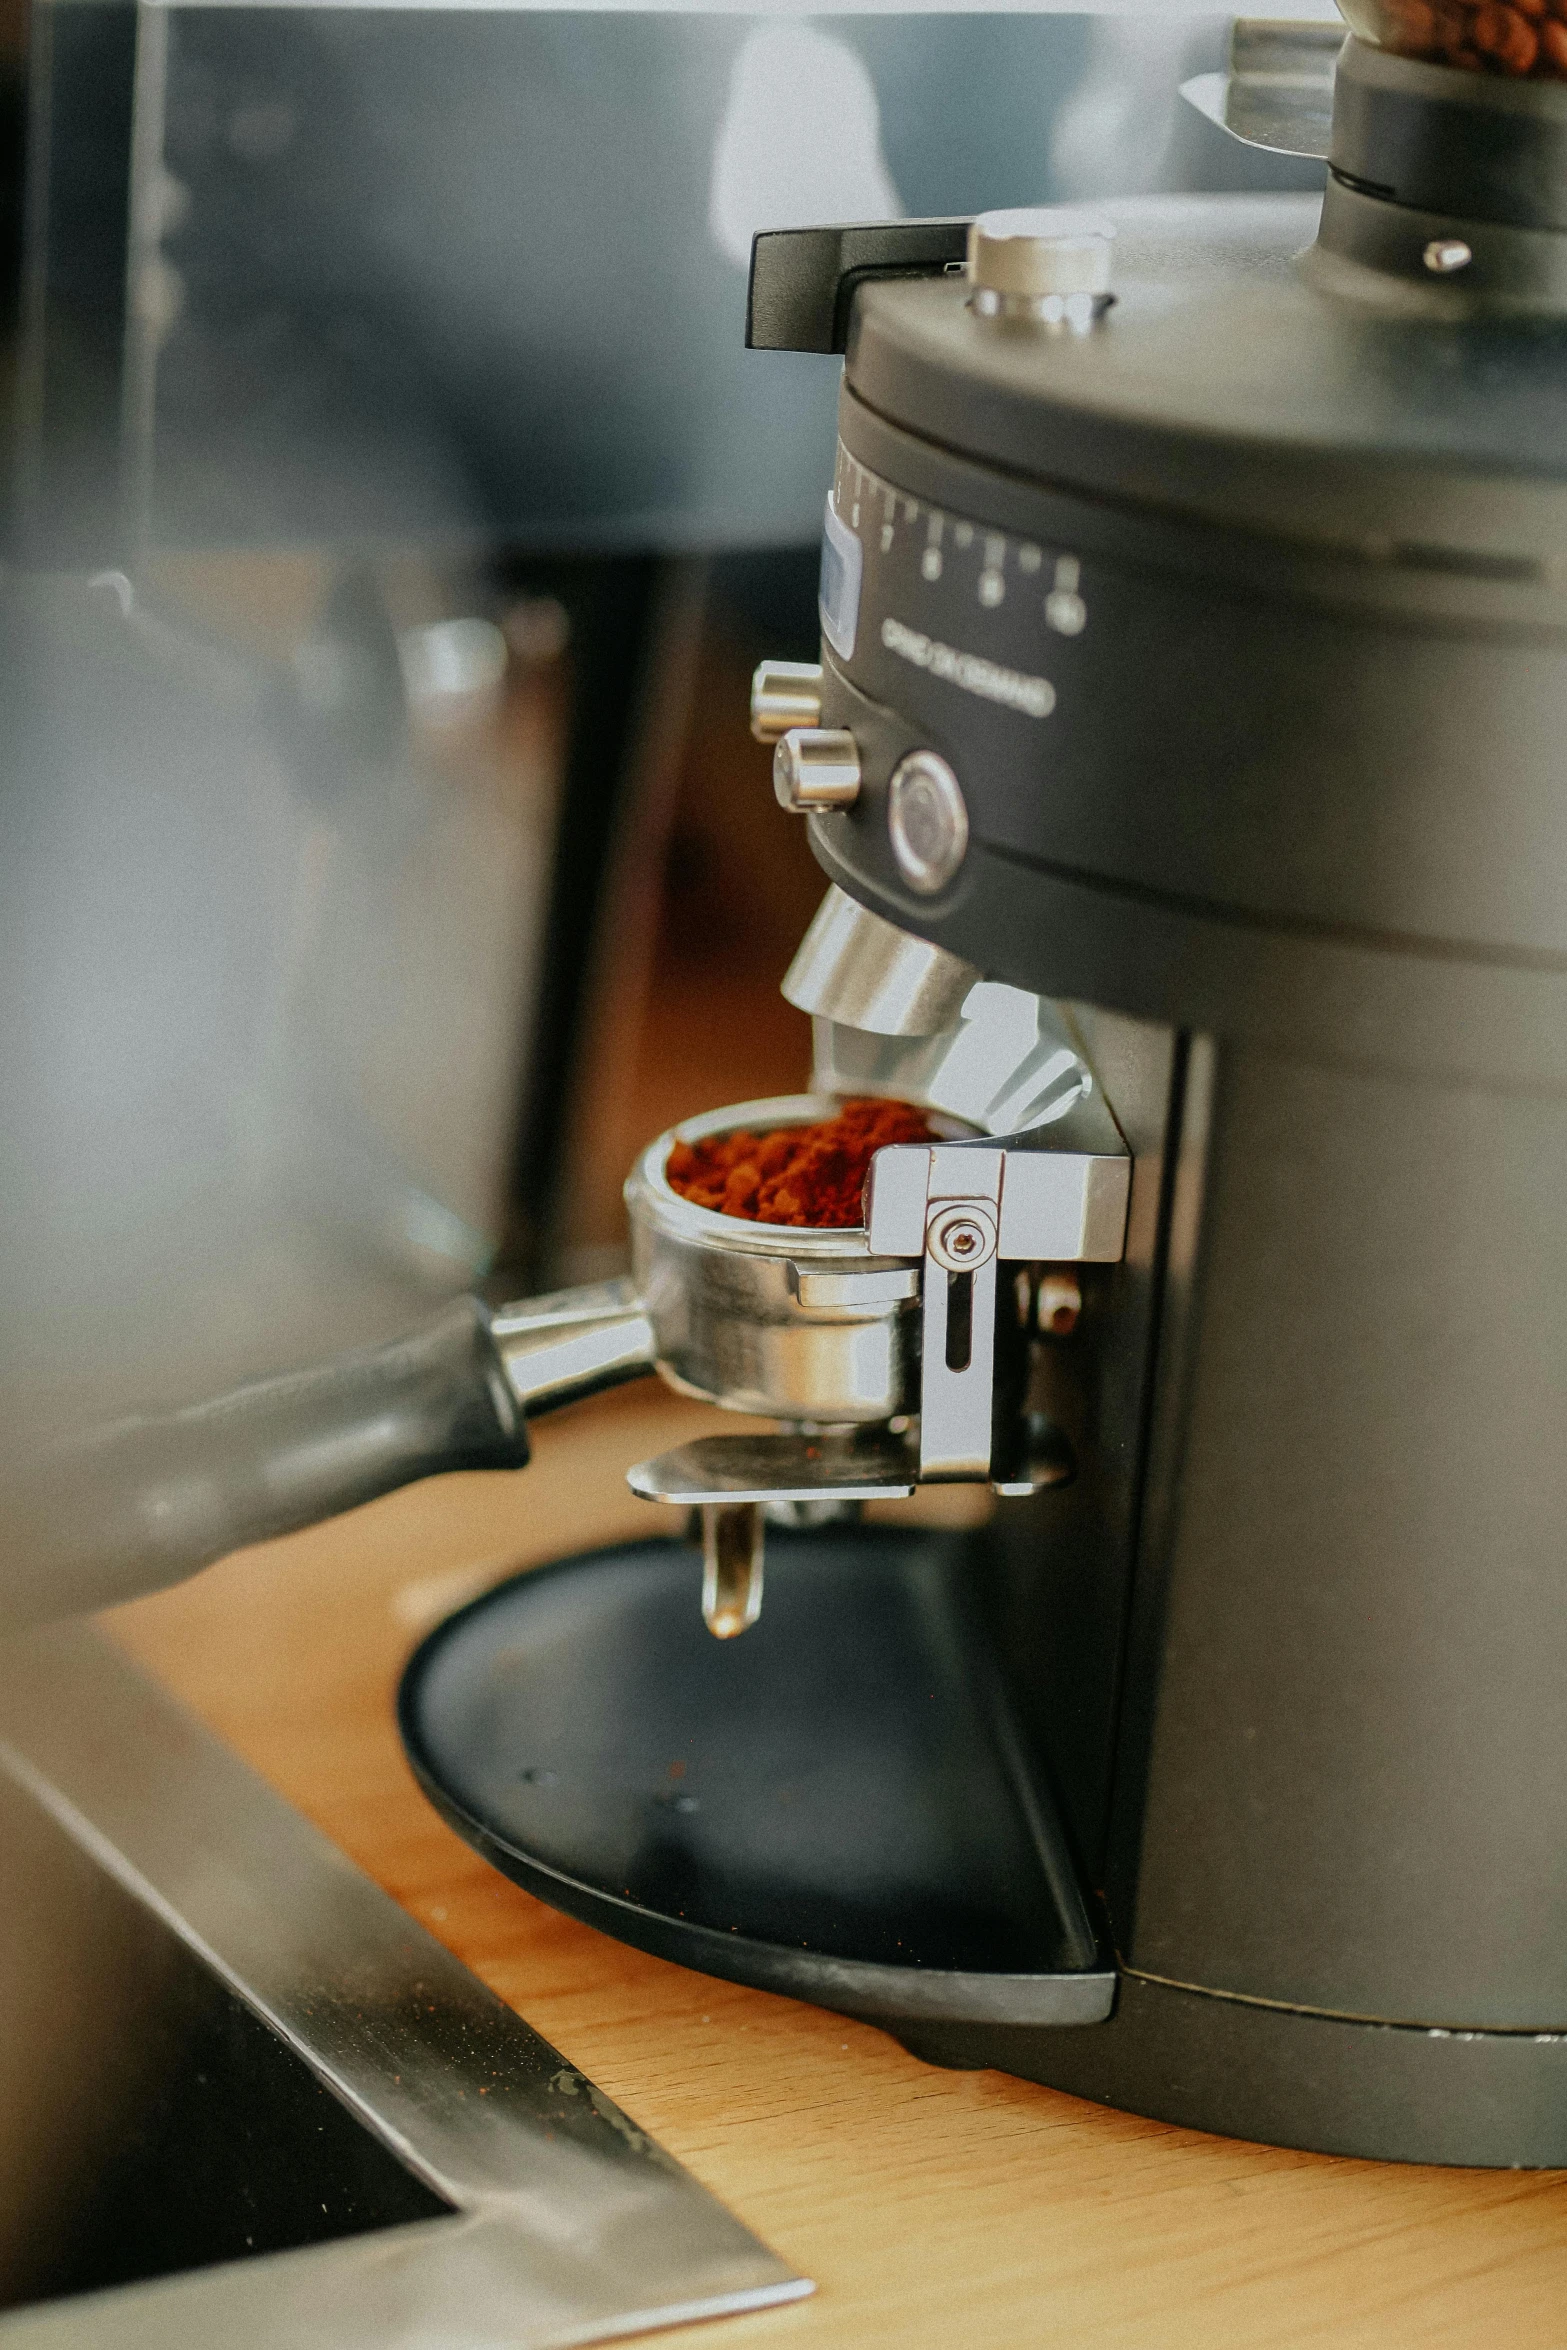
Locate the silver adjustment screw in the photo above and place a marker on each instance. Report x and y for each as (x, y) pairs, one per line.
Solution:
(1050, 264)
(927, 821)
(785, 694)
(815, 768)
(962, 1236)
(1445, 254)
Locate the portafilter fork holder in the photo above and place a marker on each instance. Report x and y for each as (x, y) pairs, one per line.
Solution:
(877, 1346)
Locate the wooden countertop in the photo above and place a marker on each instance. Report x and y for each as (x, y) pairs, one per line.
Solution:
(953, 2209)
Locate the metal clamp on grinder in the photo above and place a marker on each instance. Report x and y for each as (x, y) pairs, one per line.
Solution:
(894, 1352)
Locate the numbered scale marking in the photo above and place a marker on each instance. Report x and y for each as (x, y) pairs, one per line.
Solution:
(1004, 568)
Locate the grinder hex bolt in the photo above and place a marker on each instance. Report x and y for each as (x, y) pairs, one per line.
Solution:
(962, 1237)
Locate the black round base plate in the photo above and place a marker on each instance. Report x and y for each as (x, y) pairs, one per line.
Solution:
(835, 1805)
(838, 1805)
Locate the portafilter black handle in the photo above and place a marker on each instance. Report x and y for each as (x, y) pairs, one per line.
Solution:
(148, 1500)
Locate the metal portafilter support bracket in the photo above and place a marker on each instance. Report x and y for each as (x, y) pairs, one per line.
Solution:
(875, 1347)
(958, 1211)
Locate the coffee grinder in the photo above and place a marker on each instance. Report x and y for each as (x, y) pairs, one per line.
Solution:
(1193, 661)
(1183, 760)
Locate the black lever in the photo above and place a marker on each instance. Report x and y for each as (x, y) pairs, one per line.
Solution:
(146, 1501)
(803, 280)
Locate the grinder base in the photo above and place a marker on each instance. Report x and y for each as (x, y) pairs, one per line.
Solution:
(838, 1806)
(1293, 2077)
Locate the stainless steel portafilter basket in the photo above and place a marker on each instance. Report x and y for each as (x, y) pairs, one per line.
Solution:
(798, 1325)
(789, 1324)
(811, 1328)
(877, 1347)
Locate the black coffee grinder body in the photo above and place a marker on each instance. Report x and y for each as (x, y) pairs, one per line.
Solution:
(1235, 605)
(1186, 751)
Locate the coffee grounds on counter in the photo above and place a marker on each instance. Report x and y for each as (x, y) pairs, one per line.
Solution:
(804, 1175)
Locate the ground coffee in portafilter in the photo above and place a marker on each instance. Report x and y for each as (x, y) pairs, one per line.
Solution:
(811, 1176)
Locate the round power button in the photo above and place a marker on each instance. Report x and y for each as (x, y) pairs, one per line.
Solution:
(926, 821)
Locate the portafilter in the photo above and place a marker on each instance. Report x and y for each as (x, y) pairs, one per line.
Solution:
(887, 1355)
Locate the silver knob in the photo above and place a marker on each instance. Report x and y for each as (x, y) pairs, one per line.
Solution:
(1050, 263)
(785, 694)
(816, 767)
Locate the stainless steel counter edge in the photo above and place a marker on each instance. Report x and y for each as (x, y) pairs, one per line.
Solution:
(571, 2225)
